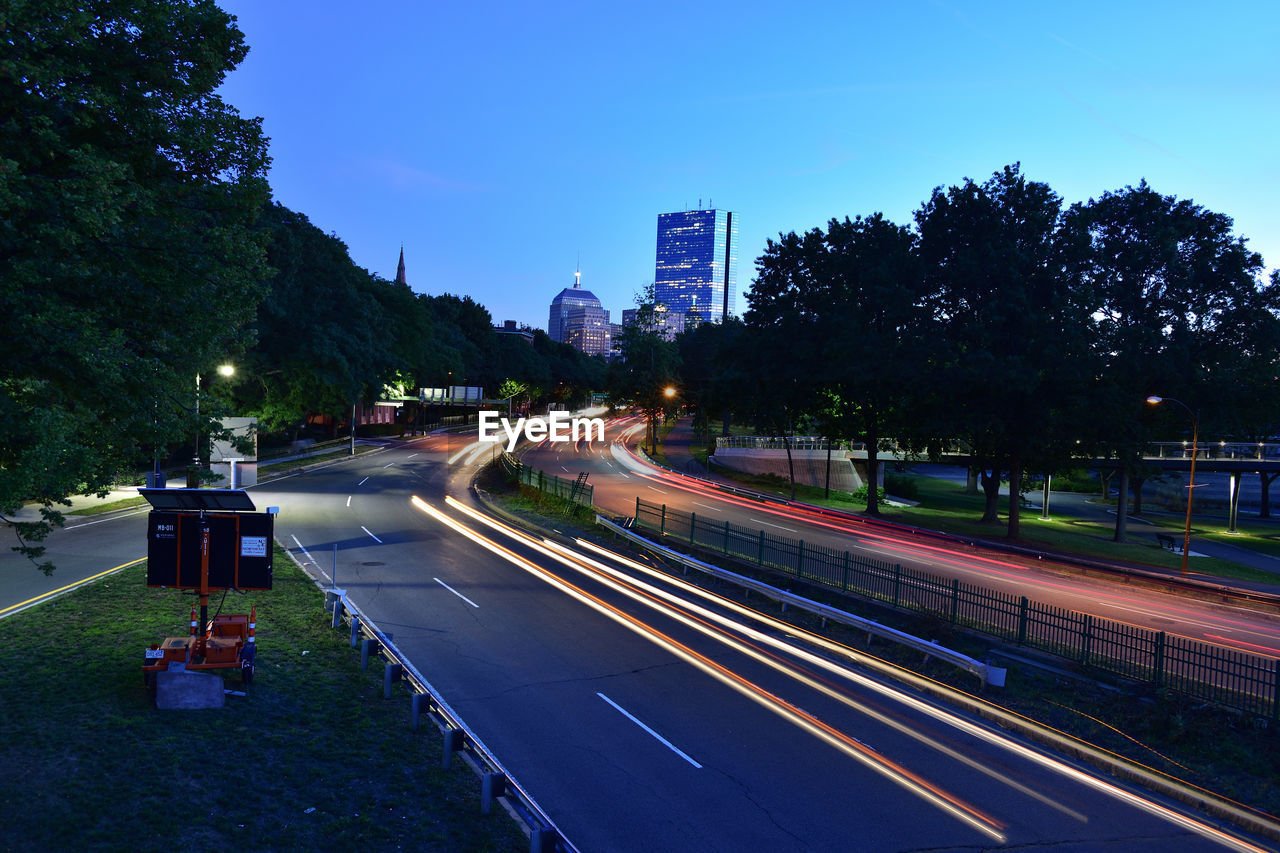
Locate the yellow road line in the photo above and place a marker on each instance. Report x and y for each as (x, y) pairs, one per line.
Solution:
(81, 582)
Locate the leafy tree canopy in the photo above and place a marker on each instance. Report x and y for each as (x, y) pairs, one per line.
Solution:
(128, 261)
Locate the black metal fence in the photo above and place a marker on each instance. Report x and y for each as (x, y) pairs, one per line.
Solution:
(577, 491)
(1201, 670)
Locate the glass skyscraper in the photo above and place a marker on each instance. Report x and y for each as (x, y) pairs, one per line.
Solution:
(578, 318)
(697, 266)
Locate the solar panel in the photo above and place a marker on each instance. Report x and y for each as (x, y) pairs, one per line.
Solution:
(228, 500)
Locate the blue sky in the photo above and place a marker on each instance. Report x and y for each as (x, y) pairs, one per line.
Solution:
(500, 142)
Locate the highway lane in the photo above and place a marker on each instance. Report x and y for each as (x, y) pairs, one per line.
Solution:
(86, 548)
(618, 477)
(638, 731)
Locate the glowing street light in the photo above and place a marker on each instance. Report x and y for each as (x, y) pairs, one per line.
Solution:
(1191, 483)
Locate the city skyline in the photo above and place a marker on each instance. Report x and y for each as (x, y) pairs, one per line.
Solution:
(567, 130)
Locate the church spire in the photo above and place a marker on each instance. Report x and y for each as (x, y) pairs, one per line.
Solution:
(400, 279)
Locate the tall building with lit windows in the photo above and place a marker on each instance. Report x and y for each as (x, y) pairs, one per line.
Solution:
(578, 318)
(697, 263)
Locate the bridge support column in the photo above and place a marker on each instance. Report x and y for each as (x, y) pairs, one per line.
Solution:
(1233, 501)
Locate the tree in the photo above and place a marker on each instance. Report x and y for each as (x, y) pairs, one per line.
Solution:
(1017, 352)
(875, 337)
(649, 365)
(715, 377)
(128, 191)
(785, 316)
(320, 333)
(1169, 286)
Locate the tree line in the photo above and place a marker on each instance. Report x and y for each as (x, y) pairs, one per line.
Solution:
(1029, 331)
(140, 249)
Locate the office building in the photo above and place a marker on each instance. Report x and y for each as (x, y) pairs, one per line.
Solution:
(697, 263)
(668, 324)
(577, 318)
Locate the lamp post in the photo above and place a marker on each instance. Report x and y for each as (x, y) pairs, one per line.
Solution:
(224, 370)
(668, 393)
(1191, 483)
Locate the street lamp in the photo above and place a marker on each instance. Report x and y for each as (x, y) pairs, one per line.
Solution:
(224, 370)
(1191, 483)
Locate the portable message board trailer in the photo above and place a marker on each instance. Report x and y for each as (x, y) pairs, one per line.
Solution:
(207, 540)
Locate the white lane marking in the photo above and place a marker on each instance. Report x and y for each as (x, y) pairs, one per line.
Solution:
(455, 592)
(365, 480)
(656, 489)
(708, 506)
(310, 559)
(411, 455)
(779, 526)
(562, 468)
(348, 500)
(370, 532)
(388, 465)
(668, 744)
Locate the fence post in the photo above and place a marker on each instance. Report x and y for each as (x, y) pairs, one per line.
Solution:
(760, 556)
(369, 645)
(637, 509)
(726, 538)
(1275, 691)
(662, 531)
(800, 558)
(955, 598)
(897, 582)
(845, 586)
(693, 526)
(541, 481)
(1085, 639)
(1022, 621)
(1158, 675)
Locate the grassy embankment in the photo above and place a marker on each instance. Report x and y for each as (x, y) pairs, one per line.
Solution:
(312, 758)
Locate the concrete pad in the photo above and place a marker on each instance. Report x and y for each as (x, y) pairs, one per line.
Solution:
(179, 689)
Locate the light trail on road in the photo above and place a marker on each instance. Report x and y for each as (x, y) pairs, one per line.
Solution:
(1094, 596)
(701, 619)
(850, 746)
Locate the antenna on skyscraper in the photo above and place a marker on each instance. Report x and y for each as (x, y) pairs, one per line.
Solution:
(577, 273)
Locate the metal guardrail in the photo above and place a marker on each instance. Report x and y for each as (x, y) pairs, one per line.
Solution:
(1205, 671)
(986, 673)
(459, 739)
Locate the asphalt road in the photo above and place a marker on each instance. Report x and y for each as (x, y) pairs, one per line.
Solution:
(642, 718)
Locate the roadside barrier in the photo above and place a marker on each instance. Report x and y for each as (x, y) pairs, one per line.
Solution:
(1204, 671)
(459, 740)
(987, 673)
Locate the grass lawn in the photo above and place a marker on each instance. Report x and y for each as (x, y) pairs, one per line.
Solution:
(312, 758)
